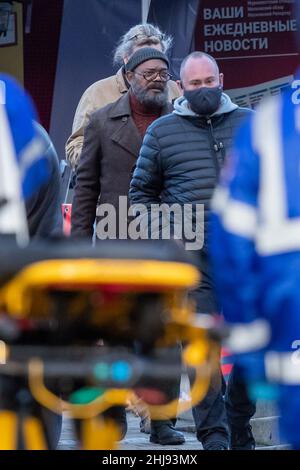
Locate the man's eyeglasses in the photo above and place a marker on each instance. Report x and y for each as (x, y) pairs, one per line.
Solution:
(151, 76)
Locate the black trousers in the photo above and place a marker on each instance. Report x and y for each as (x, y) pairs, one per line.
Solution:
(224, 406)
(239, 407)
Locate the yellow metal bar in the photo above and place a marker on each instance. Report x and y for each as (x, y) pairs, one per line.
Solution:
(98, 434)
(4, 352)
(158, 274)
(175, 407)
(49, 400)
(116, 396)
(8, 430)
(33, 433)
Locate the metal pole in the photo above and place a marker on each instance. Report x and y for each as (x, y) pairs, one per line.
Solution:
(145, 10)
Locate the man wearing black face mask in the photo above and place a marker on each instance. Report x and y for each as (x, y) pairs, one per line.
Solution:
(179, 163)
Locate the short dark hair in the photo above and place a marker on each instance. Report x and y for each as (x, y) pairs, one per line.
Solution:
(197, 55)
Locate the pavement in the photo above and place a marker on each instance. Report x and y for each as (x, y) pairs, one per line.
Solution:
(134, 440)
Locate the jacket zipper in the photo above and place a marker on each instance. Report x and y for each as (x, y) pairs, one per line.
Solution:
(216, 147)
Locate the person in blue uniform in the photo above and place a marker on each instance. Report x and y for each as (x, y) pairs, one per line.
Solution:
(255, 250)
(29, 168)
(18, 135)
(29, 196)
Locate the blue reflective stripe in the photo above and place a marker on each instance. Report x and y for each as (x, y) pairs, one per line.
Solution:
(291, 154)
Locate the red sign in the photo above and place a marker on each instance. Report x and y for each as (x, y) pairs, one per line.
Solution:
(66, 212)
(252, 40)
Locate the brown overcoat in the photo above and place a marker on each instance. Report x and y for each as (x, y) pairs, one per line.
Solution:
(110, 150)
(96, 96)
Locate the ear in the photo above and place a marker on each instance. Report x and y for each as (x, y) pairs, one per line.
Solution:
(129, 76)
(221, 76)
(179, 86)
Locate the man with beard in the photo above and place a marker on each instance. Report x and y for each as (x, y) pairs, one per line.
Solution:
(109, 90)
(113, 138)
(112, 142)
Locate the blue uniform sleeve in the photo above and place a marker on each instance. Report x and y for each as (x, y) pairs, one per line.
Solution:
(29, 149)
(232, 241)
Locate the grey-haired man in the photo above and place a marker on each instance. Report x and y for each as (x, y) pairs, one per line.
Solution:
(112, 142)
(110, 89)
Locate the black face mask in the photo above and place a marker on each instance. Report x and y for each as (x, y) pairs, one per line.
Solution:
(204, 101)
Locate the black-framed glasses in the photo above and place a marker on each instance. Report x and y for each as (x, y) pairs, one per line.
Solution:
(151, 76)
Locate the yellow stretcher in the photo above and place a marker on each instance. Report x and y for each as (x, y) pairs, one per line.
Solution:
(58, 301)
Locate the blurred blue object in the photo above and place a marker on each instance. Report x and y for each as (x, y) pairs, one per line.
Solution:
(121, 371)
(263, 391)
(17, 115)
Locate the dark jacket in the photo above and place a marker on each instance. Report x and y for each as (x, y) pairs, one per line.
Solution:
(43, 209)
(182, 154)
(179, 162)
(110, 150)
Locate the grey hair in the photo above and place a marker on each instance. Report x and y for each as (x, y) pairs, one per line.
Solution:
(144, 34)
(197, 55)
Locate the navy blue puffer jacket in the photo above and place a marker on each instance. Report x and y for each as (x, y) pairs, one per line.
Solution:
(182, 154)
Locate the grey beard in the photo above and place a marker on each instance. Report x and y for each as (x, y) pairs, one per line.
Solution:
(157, 100)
